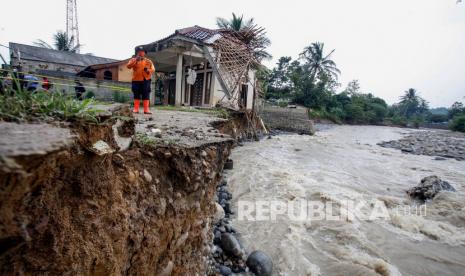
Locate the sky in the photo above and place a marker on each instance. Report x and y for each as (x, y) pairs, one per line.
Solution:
(388, 45)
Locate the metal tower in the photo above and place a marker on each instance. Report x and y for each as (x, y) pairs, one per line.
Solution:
(72, 28)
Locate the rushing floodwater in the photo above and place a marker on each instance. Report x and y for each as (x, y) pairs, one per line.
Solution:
(344, 163)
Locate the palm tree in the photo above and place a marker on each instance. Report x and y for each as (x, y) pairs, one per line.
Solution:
(411, 104)
(317, 63)
(61, 43)
(239, 24)
(409, 96)
(236, 23)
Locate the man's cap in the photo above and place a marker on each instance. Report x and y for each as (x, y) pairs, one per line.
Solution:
(140, 48)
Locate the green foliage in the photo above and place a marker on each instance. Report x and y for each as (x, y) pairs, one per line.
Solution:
(417, 121)
(456, 109)
(61, 42)
(439, 110)
(458, 123)
(145, 139)
(311, 81)
(121, 97)
(437, 118)
(90, 95)
(238, 24)
(355, 113)
(25, 106)
(317, 63)
(398, 121)
(283, 103)
(411, 105)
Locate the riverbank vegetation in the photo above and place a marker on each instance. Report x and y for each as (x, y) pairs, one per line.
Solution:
(312, 81)
(20, 105)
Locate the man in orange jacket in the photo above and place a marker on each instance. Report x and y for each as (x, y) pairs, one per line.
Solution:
(142, 70)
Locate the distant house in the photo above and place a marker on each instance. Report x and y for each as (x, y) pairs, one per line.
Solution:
(215, 81)
(38, 59)
(116, 71)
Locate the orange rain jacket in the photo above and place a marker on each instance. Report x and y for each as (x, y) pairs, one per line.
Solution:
(138, 73)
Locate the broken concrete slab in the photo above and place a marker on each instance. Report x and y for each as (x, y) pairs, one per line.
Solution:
(32, 139)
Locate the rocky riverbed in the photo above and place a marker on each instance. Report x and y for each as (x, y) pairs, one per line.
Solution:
(439, 143)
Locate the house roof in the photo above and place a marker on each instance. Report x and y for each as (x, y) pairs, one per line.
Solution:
(109, 64)
(197, 33)
(48, 55)
(200, 34)
(94, 67)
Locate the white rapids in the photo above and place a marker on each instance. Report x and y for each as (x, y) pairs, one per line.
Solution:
(344, 163)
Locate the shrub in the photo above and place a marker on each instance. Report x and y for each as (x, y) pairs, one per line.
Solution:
(398, 121)
(458, 123)
(338, 113)
(438, 118)
(355, 113)
(90, 95)
(121, 97)
(417, 122)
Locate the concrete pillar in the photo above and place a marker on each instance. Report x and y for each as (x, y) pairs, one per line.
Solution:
(179, 73)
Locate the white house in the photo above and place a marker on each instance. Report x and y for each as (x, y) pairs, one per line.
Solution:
(222, 75)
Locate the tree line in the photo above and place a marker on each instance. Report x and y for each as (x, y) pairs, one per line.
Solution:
(312, 81)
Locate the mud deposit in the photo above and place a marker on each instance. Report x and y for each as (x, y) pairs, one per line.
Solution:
(345, 163)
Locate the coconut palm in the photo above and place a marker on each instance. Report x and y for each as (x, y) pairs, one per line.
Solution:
(258, 42)
(236, 23)
(409, 96)
(61, 42)
(411, 104)
(317, 63)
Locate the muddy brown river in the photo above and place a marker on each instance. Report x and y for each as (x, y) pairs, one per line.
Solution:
(339, 165)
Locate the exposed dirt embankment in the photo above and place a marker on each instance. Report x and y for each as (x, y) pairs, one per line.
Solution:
(69, 208)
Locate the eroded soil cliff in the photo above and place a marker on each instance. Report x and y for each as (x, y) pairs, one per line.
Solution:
(66, 208)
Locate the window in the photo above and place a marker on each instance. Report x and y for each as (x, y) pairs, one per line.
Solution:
(107, 75)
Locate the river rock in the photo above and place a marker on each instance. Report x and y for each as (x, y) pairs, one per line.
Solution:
(429, 187)
(230, 245)
(224, 270)
(260, 263)
(147, 176)
(219, 213)
(217, 237)
(156, 132)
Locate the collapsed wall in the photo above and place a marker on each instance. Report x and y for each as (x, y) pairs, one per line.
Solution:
(70, 207)
(287, 119)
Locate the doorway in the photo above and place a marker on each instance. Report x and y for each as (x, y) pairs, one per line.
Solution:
(171, 87)
(197, 90)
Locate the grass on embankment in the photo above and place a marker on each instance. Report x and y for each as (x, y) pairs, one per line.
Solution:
(22, 105)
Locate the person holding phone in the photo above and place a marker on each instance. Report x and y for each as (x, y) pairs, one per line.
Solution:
(142, 70)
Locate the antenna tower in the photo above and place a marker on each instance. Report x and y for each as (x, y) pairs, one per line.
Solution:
(72, 27)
